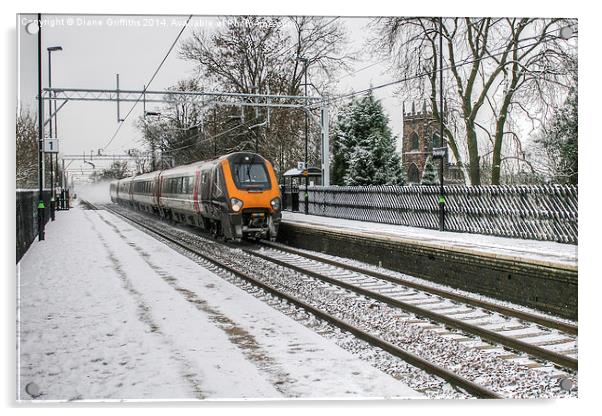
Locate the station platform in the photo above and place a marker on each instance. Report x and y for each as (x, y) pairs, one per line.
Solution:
(537, 274)
(106, 312)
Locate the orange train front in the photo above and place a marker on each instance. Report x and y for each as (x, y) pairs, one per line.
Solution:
(233, 196)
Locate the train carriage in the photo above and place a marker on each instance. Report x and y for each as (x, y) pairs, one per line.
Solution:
(175, 196)
(120, 191)
(235, 196)
(144, 193)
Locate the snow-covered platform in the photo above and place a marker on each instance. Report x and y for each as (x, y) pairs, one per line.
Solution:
(108, 313)
(544, 253)
(537, 274)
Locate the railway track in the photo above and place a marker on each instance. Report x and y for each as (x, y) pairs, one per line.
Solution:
(411, 298)
(535, 335)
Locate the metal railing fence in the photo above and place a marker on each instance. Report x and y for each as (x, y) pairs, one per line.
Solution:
(547, 212)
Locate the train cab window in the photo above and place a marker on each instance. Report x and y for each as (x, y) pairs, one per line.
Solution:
(250, 173)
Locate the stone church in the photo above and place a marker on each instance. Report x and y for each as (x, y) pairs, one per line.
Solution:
(420, 136)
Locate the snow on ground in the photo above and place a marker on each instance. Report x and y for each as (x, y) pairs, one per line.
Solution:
(544, 252)
(107, 312)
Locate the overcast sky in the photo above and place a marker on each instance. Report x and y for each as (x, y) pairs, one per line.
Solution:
(96, 47)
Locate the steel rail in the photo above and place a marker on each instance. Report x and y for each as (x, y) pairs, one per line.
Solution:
(415, 360)
(538, 319)
(510, 342)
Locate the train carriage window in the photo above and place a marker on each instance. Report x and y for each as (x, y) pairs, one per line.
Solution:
(205, 186)
(217, 183)
(185, 185)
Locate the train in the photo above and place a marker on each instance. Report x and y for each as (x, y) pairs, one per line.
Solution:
(234, 196)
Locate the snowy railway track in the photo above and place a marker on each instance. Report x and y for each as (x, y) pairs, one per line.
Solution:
(425, 308)
(538, 336)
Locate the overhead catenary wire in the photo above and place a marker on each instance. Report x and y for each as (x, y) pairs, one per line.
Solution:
(161, 64)
(327, 100)
(206, 139)
(418, 75)
(148, 83)
(351, 74)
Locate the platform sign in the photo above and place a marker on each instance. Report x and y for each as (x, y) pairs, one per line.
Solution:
(439, 152)
(51, 145)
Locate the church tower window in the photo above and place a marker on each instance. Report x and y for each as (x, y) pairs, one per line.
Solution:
(414, 141)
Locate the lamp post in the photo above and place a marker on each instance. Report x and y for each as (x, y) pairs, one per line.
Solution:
(52, 187)
(441, 115)
(306, 194)
(41, 207)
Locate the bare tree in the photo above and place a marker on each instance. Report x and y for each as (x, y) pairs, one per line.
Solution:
(141, 161)
(259, 55)
(508, 61)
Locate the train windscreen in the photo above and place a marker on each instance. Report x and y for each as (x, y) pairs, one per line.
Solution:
(250, 174)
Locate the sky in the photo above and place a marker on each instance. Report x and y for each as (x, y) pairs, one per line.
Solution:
(96, 47)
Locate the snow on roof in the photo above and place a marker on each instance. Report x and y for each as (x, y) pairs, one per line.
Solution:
(313, 171)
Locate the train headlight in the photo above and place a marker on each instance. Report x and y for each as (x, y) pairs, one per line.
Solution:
(275, 204)
(236, 204)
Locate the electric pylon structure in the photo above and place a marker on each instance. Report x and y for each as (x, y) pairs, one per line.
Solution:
(61, 96)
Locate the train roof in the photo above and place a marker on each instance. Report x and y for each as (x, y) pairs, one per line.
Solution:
(185, 168)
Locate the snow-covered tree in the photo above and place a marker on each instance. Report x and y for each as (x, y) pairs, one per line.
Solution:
(118, 170)
(27, 150)
(361, 168)
(559, 141)
(429, 176)
(364, 148)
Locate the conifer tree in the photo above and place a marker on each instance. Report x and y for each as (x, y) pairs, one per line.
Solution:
(429, 176)
(364, 147)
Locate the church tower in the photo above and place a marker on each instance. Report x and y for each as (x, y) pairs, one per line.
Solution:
(420, 135)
